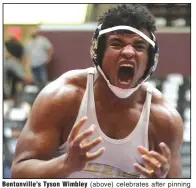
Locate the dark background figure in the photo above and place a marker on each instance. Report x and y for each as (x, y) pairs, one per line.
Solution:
(14, 71)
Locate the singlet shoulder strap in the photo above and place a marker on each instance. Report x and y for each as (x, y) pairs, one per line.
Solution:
(91, 70)
(89, 91)
(148, 98)
(83, 110)
(149, 87)
(143, 123)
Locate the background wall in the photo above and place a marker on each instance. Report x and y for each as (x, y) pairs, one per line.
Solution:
(71, 51)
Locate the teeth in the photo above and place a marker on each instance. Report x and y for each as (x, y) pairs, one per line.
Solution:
(123, 82)
(126, 65)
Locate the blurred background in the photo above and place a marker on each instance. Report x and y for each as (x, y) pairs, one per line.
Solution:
(55, 38)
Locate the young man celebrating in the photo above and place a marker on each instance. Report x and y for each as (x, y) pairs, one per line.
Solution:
(105, 121)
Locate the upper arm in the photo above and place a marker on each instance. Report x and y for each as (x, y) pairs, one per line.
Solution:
(174, 138)
(47, 43)
(174, 141)
(41, 135)
(18, 70)
(170, 130)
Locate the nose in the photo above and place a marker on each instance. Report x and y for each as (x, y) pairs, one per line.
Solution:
(128, 52)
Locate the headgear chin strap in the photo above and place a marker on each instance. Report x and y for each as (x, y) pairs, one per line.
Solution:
(119, 92)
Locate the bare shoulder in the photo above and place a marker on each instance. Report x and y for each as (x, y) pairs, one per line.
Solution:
(52, 111)
(164, 108)
(166, 120)
(70, 82)
(66, 87)
(60, 98)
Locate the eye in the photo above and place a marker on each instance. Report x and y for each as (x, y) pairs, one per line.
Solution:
(116, 45)
(140, 47)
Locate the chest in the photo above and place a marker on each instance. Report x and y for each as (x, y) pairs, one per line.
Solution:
(117, 122)
(36, 45)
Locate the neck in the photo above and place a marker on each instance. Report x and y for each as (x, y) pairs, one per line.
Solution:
(105, 95)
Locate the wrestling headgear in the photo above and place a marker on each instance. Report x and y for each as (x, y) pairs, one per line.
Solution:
(153, 56)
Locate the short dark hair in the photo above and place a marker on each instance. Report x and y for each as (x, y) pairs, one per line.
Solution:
(15, 48)
(134, 15)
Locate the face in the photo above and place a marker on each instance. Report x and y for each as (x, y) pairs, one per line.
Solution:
(34, 32)
(125, 58)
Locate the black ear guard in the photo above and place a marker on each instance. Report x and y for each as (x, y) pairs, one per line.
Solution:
(153, 58)
(153, 52)
(94, 45)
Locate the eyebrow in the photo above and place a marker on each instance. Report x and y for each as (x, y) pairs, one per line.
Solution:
(137, 41)
(115, 39)
(140, 41)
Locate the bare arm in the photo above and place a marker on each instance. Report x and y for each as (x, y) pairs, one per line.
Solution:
(49, 49)
(57, 105)
(26, 64)
(164, 160)
(41, 136)
(50, 53)
(174, 138)
(170, 131)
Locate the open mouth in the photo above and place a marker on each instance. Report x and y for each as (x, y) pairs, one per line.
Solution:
(125, 73)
